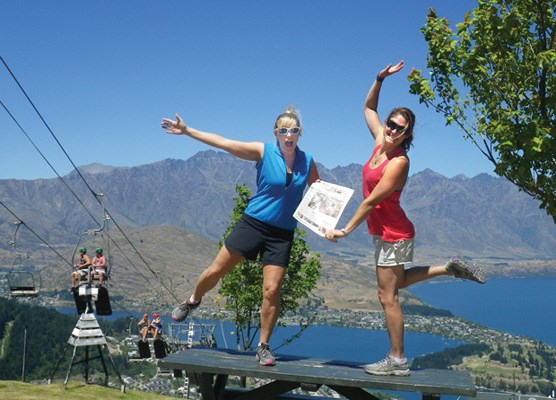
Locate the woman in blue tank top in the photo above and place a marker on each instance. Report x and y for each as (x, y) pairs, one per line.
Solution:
(267, 226)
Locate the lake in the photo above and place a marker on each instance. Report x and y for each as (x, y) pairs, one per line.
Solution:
(518, 306)
(522, 306)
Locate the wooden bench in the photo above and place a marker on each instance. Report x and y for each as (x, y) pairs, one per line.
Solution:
(210, 368)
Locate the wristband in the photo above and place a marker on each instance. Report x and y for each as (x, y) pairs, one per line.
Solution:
(344, 232)
(379, 79)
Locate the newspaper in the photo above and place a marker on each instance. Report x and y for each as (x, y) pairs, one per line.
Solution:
(322, 206)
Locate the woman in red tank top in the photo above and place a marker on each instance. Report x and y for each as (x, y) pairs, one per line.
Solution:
(384, 177)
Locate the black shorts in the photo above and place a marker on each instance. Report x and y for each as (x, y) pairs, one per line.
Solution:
(251, 237)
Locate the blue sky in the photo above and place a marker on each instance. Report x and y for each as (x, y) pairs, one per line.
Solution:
(104, 73)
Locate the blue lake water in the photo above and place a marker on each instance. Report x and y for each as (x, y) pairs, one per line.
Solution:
(518, 306)
(337, 343)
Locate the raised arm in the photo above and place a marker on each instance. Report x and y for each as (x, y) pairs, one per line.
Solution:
(371, 102)
(251, 151)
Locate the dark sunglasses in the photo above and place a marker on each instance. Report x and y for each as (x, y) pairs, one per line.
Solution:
(284, 131)
(395, 127)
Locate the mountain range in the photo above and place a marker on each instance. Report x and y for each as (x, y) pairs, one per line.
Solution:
(166, 219)
(483, 216)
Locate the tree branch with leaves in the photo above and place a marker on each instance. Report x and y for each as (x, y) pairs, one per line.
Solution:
(495, 78)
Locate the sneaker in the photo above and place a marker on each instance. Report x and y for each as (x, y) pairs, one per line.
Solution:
(265, 356)
(465, 269)
(388, 366)
(182, 311)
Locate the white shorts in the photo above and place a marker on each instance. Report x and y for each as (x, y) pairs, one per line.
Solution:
(391, 254)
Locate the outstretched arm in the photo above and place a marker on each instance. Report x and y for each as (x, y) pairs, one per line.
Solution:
(393, 179)
(251, 151)
(371, 102)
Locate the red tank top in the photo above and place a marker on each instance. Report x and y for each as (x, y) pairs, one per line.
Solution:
(388, 219)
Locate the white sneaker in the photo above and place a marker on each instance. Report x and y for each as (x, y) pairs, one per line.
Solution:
(388, 366)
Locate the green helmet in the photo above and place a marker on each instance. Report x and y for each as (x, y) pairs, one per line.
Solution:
(98, 250)
(83, 250)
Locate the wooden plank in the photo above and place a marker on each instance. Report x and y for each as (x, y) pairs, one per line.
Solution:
(318, 371)
(234, 393)
(269, 391)
(353, 392)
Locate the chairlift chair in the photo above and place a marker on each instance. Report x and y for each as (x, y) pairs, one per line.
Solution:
(22, 274)
(87, 291)
(22, 284)
(105, 240)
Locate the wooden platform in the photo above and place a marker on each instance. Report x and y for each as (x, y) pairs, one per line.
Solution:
(210, 369)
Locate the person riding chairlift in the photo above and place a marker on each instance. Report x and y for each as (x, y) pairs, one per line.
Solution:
(155, 326)
(144, 326)
(81, 269)
(99, 266)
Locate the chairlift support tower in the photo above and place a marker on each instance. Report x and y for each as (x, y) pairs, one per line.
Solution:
(86, 334)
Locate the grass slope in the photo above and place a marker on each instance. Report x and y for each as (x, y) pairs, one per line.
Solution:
(14, 390)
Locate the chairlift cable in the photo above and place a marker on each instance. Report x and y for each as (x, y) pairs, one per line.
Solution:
(143, 259)
(104, 227)
(52, 167)
(62, 257)
(45, 123)
(45, 159)
(76, 169)
(34, 233)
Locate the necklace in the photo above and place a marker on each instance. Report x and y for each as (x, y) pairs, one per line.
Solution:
(377, 159)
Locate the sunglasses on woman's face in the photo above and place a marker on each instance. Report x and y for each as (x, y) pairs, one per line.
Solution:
(284, 131)
(395, 127)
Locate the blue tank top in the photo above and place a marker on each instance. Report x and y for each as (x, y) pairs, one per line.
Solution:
(275, 202)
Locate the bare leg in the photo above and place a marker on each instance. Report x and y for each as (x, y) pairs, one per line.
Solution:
(273, 276)
(419, 274)
(388, 279)
(74, 277)
(222, 264)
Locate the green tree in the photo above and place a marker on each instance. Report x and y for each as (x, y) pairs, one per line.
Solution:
(494, 77)
(243, 285)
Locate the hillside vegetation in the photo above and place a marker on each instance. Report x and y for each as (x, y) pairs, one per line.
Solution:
(47, 334)
(521, 366)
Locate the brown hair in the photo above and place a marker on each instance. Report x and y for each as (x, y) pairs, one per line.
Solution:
(410, 118)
